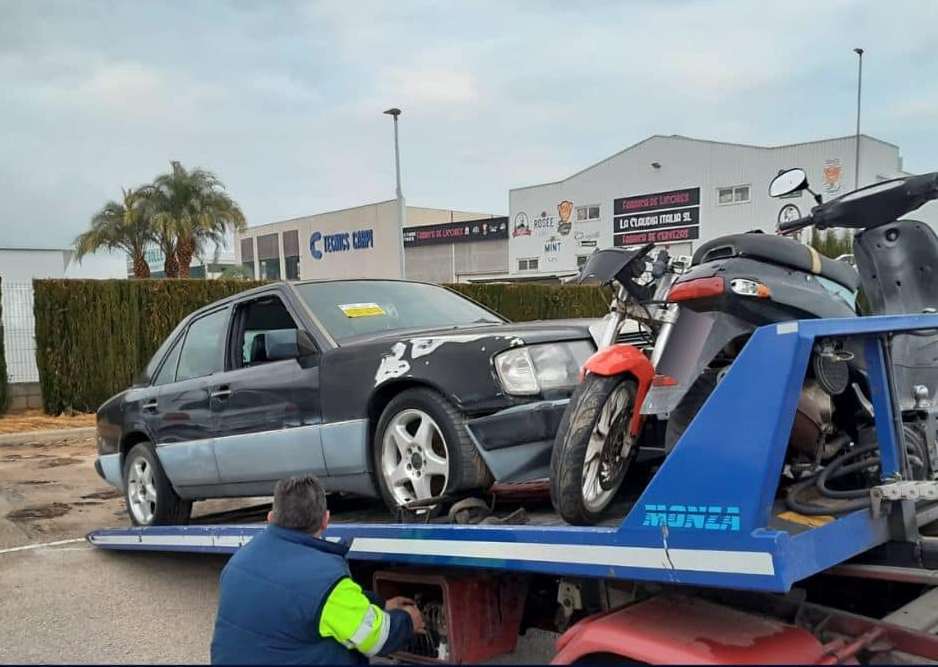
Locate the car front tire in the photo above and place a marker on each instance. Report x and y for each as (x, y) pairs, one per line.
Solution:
(151, 499)
(422, 450)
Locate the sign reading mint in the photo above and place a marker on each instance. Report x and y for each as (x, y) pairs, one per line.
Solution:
(486, 229)
(659, 217)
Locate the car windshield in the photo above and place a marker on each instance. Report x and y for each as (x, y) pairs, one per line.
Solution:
(356, 308)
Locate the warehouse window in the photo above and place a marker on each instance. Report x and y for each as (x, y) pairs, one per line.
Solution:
(247, 256)
(268, 255)
(587, 213)
(291, 254)
(528, 264)
(737, 194)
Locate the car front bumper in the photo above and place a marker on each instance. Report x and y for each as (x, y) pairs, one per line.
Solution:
(516, 442)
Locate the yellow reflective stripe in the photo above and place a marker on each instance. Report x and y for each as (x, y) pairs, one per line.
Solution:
(373, 633)
(343, 611)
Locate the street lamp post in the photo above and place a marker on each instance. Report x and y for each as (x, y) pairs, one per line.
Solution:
(856, 161)
(401, 207)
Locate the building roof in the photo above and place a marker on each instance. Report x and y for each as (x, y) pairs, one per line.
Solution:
(352, 208)
(705, 141)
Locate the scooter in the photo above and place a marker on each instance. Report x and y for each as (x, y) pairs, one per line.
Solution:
(737, 283)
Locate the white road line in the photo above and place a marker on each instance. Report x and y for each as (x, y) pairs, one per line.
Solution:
(30, 547)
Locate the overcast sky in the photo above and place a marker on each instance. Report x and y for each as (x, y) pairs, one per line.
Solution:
(283, 100)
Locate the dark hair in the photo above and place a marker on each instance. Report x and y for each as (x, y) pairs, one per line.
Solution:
(299, 503)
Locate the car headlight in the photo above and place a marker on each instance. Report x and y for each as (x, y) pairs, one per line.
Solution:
(532, 369)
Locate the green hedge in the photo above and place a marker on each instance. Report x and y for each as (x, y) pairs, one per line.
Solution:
(94, 336)
(3, 362)
(521, 303)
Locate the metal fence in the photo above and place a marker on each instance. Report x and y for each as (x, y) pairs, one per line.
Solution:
(19, 331)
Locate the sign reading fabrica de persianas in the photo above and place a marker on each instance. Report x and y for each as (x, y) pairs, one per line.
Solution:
(659, 217)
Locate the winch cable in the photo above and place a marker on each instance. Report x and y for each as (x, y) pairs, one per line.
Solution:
(852, 499)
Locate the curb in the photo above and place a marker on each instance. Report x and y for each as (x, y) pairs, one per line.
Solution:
(30, 436)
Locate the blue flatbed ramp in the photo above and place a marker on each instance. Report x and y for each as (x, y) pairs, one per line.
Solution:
(708, 517)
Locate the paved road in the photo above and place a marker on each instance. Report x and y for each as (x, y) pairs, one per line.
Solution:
(75, 603)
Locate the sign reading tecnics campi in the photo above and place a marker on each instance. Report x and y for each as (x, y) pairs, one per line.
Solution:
(359, 239)
(486, 229)
(698, 517)
(657, 217)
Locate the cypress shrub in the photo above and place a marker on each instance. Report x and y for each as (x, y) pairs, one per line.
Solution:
(94, 336)
(521, 303)
(3, 362)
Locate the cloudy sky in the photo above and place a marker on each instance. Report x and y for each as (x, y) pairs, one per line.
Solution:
(283, 100)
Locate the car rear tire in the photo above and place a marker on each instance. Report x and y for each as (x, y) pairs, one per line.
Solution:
(151, 499)
(421, 450)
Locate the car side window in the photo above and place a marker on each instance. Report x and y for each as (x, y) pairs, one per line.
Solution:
(263, 320)
(203, 349)
(167, 372)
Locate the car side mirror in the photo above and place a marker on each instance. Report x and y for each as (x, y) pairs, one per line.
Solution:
(788, 182)
(289, 344)
(305, 345)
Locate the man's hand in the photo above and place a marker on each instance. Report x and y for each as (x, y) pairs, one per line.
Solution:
(398, 603)
(416, 618)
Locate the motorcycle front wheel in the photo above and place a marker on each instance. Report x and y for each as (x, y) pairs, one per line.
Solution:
(593, 449)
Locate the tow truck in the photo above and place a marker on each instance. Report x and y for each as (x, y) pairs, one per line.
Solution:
(706, 565)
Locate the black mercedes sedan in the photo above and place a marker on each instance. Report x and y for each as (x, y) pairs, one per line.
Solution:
(397, 389)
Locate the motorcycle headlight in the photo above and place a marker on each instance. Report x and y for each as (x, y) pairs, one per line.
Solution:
(530, 370)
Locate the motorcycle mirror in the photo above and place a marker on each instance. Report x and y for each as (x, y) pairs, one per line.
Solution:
(787, 182)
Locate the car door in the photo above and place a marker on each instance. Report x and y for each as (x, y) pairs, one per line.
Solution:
(266, 407)
(180, 416)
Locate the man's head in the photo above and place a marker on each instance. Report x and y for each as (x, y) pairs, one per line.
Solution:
(300, 504)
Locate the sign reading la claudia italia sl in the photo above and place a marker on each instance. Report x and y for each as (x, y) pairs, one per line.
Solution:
(658, 217)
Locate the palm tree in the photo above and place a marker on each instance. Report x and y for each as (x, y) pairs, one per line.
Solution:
(191, 210)
(124, 225)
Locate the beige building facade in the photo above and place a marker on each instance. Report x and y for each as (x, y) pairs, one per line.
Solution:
(440, 245)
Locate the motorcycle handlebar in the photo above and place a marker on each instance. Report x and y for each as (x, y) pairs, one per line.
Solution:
(794, 225)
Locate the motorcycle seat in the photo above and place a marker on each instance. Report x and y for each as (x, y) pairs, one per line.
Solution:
(777, 250)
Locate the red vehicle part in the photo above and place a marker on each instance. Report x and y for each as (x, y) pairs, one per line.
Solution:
(474, 617)
(624, 359)
(684, 630)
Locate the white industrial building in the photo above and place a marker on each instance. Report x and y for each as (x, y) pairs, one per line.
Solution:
(439, 245)
(679, 192)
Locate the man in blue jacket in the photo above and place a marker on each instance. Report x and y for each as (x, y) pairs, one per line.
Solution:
(287, 598)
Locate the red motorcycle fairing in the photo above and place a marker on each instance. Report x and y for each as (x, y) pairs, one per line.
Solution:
(623, 359)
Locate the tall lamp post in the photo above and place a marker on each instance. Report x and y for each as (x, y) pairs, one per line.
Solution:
(856, 161)
(401, 208)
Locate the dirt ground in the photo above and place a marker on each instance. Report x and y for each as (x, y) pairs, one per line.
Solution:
(50, 491)
(37, 420)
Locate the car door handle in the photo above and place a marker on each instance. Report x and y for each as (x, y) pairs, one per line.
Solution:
(221, 392)
(150, 405)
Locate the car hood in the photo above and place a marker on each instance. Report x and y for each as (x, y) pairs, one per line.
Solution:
(527, 333)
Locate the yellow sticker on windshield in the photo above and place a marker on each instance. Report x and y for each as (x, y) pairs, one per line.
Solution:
(361, 309)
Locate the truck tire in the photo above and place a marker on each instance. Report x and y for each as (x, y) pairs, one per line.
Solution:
(579, 435)
(421, 450)
(150, 497)
(689, 406)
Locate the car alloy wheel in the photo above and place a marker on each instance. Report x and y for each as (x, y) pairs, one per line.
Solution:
(141, 491)
(415, 458)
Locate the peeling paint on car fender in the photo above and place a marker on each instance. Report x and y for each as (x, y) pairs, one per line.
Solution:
(392, 365)
(420, 347)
